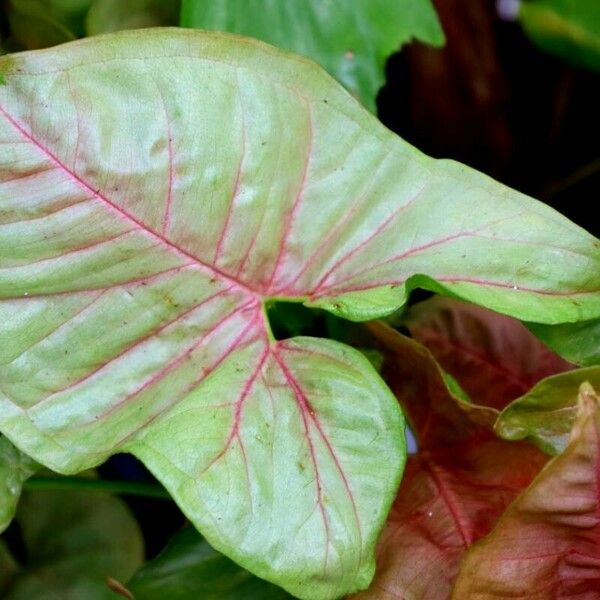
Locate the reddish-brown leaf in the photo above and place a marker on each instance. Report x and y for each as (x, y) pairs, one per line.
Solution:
(453, 490)
(547, 543)
(495, 358)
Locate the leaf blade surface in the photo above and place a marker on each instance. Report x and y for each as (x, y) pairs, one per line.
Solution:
(134, 276)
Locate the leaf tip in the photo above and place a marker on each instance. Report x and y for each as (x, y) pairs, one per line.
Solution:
(587, 405)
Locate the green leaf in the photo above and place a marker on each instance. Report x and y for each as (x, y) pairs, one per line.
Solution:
(189, 568)
(577, 342)
(114, 15)
(567, 28)
(15, 469)
(546, 414)
(352, 39)
(74, 541)
(44, 23)
(160, 188)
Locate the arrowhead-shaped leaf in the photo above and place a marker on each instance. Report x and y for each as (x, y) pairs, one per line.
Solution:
(454, 489)
(547, 541)
(545, 415)
(15, 469)
(352, 39)
(493, 357)
(158, 188)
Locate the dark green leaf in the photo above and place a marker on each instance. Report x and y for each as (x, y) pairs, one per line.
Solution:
(74, 542)
(44, 23)
(189, 569)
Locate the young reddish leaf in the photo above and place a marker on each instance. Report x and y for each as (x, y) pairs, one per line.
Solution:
(493, 357)
(547, 544)
(158, 188)
(545, 415)
(453, 490)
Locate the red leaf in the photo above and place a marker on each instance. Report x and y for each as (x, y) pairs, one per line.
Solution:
(495, 358)
(454, 490)
(547, 544)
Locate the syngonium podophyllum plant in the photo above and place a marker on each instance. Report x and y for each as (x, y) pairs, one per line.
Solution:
(159, 190)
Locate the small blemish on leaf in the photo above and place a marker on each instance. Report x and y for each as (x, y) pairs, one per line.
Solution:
(301, 466)
(349, 55)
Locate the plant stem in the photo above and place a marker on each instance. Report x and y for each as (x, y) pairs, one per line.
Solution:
(132, 488)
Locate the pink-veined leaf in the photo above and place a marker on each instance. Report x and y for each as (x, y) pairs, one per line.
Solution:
(493, 357)
(547, 544)
(157, 188)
